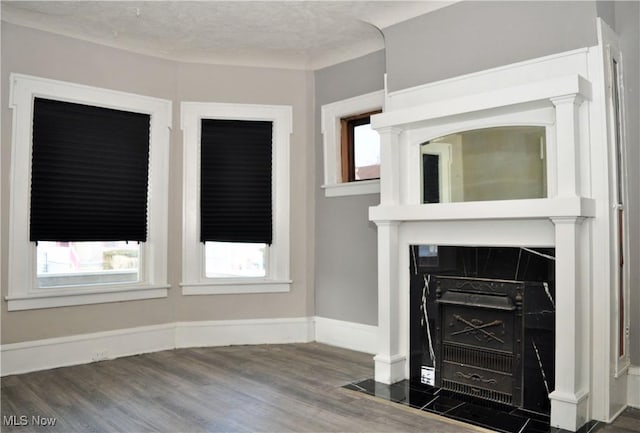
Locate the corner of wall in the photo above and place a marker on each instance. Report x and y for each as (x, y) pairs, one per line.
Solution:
(633, 387)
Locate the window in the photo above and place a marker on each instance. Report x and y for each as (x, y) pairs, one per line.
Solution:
(60, 264)
(351, 147)
(236, 198)
(235, 260)
(360, 148)
(73, 240)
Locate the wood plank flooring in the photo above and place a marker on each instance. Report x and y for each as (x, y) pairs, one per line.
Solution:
(269, 388)
(627, 422)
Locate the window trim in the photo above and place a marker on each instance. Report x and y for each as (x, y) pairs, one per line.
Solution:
(23, 292)
(331, 117)
(194, 280)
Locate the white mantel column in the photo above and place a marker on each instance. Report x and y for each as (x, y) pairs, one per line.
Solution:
(389, 362)
(569, 400)
(568, 144)
(389, 165)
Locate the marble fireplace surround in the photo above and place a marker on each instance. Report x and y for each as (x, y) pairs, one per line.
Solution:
(566, 94)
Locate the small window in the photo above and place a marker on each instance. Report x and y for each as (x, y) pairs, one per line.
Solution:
(360, 148)
(351, 147)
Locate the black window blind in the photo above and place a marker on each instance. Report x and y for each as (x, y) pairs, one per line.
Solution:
(89, 175)
(235, 181)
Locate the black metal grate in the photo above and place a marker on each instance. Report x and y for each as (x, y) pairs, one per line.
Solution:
(490, 360)
(486, 394)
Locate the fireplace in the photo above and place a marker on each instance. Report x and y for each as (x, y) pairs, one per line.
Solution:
(556, 195)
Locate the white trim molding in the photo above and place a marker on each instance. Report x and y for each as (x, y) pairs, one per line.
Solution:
(330, 126)
(348, 335)
(252, 331)
(18, 358)
(88, 296)
(277, 279)
(352, 188)
(23, 292)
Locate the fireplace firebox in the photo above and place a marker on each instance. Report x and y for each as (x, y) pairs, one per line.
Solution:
(483, 323)
(479, 338)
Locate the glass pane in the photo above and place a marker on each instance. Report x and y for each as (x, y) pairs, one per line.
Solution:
(84, 263)
(503, 163)
(366, 152)
(233, 260)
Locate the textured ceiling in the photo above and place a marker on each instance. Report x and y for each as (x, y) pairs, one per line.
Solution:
(292, 34)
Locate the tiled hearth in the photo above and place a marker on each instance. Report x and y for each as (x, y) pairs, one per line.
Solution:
(450, 405)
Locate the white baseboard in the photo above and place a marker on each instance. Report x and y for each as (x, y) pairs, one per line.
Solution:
(349, 335)
(38, 355)
(80, 349)
(236, 332)
(633, 387)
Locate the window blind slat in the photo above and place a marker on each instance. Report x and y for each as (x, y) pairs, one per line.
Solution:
(89, 177)
(235, 181)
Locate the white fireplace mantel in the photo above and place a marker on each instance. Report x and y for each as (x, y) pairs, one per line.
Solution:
(564, 94)
(542, 208)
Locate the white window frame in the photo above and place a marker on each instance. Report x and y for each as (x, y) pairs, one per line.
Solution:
(331, 140)
(23, 292)
(193, 272)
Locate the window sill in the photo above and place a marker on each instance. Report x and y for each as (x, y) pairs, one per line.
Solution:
(236, 286)
(84, 296)
(352, 188)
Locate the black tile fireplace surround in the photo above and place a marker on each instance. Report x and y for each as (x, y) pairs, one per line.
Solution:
(482, 323)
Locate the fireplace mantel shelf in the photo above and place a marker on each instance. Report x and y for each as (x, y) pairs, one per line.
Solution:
(546, 208)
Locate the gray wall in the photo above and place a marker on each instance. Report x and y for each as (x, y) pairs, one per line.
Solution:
(472, 36)
(47, 55)
(346, 269)
(459, 39)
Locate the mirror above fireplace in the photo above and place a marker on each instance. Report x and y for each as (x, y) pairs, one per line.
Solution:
(500, 163)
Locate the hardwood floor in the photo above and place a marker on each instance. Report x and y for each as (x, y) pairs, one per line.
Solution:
(627, 422)
(271, 388)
